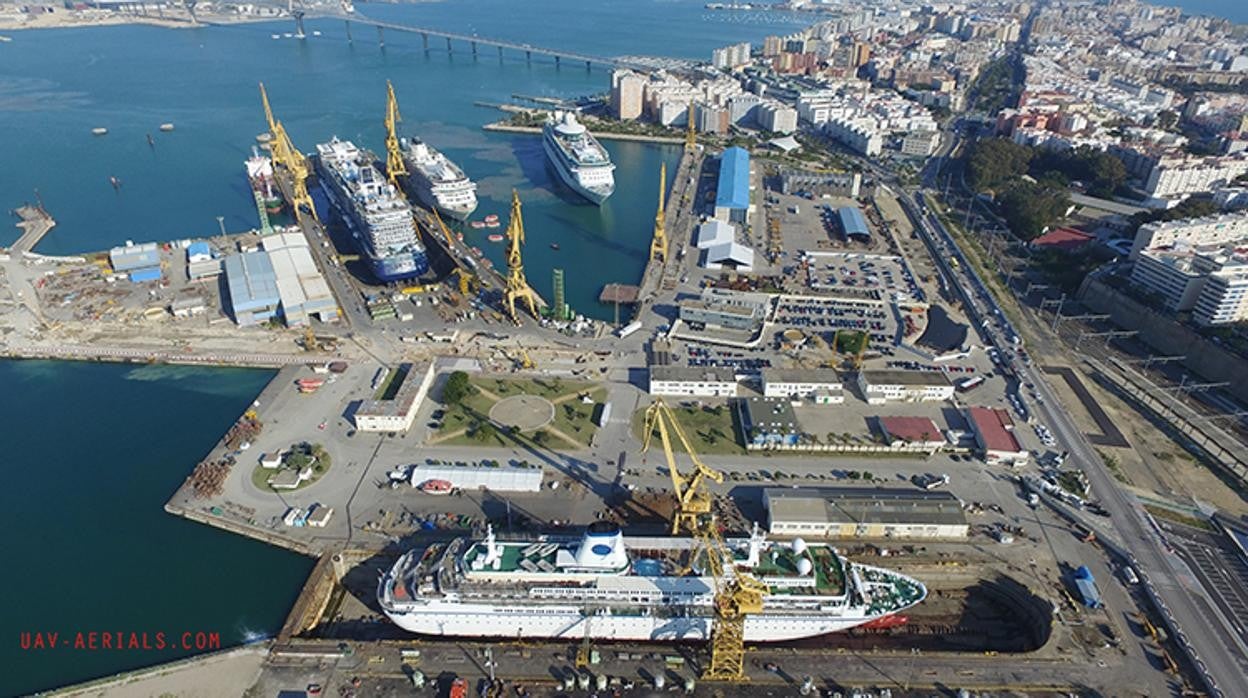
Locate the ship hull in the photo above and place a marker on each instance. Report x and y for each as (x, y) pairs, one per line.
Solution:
(417, 185)
(554, 622)
(595, 197)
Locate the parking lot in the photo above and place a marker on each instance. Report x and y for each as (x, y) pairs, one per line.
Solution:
(872, 276)
(825, 316)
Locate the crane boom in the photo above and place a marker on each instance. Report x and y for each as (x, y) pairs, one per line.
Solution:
(395, 167)
(737, 594)
(286, 155)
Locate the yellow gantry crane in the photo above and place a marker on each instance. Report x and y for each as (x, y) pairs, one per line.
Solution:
(737, 594)
(395, 166)
(286, 155)
(517, 285)
(658, 245)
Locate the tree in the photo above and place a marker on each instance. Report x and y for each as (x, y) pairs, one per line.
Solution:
(1030, 208)
(1166, 119)
(484, 431)
(457, 388)
(997, 161)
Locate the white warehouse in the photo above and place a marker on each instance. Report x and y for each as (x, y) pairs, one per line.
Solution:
(880, 387)
(692, 381)
(504, 478)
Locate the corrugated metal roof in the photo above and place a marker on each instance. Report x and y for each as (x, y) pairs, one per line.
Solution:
(134, 257)
(733, 190)
(251, 281)
(861, 505)
(852, 221)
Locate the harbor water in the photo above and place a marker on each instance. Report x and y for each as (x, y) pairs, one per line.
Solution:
(57, 85)
(92, 451)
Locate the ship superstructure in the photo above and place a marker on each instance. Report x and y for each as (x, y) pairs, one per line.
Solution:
(641, 589)
(379, 217)
(436, 181)
(260, 175)
(579, 159)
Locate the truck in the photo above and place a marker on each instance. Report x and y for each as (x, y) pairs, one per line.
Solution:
(628, 329)
(1085, 584)
(968, 384)
(930, 481)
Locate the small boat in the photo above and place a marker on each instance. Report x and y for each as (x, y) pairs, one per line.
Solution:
(492, 218)
(477, 224)
(166, 127)
(275, 36)
(477, 251)
(99, 131)
(115, 182)
(554, 246)
(288, 35)
(6, 39)
(150, 143)
(264, 137)
(436, 486)
(495, 238)
(316, 33)
(492, 224)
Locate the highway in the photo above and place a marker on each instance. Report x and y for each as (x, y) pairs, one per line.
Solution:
(1212, 645)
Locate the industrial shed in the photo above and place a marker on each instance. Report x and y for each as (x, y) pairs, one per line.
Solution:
(505, 478)
(849, 512)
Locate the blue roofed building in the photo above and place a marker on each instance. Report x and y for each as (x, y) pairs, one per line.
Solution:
(853, 224)
(139, 262)
(252, 286)
(198, 251)
(732, 194)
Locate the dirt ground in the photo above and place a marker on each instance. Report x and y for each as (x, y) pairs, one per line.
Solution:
(1155, 464)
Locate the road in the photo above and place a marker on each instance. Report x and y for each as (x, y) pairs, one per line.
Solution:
(1203, 632)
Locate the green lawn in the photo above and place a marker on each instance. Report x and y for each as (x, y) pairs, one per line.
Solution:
(260, 477)
(475, 409)
(710, 433)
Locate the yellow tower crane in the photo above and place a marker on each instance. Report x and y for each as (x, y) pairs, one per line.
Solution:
(658, 245)
(395, 166)
(691, 133)
(737, 594)
(286, 155)
(517, 285)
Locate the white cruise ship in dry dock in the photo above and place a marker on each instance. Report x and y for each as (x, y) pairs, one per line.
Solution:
(637, 589)
(579, 159)
(436, 181)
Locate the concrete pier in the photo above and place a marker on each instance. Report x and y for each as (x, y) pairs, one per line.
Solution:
(35, 223)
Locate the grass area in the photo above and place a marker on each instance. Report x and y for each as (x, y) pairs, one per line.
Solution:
(1177, 517)
(260, 475)
(572, 417)
(851, 342)
(712, 430)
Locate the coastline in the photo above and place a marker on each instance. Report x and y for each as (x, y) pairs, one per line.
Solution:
(170, 21)
(607, 135)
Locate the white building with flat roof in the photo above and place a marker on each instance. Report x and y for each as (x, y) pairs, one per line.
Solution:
(692, 381)
(880, 387)
(823, 386)
(1210, 282)
(1220, 229)
(398, 413)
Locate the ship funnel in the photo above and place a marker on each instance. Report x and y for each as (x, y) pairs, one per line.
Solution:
(602, 547)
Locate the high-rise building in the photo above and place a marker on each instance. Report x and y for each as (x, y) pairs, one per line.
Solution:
(627, 89)
(859, 54)
(772, 46)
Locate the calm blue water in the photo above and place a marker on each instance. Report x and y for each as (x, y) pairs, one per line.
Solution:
(92, 451)
(55, 86)
(1234, 10)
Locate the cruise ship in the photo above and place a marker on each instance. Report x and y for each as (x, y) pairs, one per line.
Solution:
(380, 219)
(581, 161)
(636, 589)
(437, 182)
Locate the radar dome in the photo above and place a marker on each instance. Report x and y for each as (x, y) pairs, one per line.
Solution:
(798, 546)
(805, 566)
